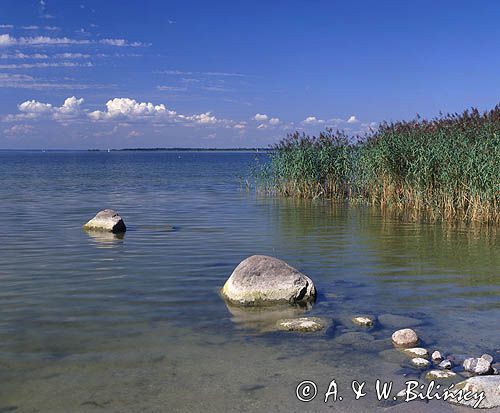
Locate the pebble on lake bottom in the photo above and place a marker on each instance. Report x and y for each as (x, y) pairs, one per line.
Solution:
(303, 324)
(363, 321)
(420, 362)
(416, 352)
(440, 374)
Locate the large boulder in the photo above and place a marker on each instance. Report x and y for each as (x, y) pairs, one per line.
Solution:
(260, 280)
(106, 220)
(490, 385)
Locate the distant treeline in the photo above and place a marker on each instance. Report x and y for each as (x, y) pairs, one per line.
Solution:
(186, 149)
(446, 168)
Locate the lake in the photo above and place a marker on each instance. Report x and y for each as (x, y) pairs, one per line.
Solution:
(96, 322)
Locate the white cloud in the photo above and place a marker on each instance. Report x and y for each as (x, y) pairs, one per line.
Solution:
(240, 125)
(274, 121)
(171, 88)
(134, 134)
(19, 81)
(30, 27)
(262, 126)
(260, 117)
(8, 40)
(121, 43)
(130, 108)
(24, 56)
(312, 120)
(72, 56)
(21, 129)
(32, 109)
(203, 118)
(45, 65)
(352, 119)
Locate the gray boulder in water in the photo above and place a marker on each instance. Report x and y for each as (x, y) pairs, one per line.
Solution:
(106, 220)
(490, 385)
(261, 280)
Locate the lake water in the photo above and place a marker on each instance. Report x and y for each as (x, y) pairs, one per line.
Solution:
(92, 323)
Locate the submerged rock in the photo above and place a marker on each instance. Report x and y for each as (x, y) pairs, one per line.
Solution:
(363, 321)
(477, 365)
(420, 362)
(490, 385)
(440, 374)
(397, 321)
(303, 324)
(405, 338)
(263, 319)
(106, 220)
(416, 352)
(264, 280)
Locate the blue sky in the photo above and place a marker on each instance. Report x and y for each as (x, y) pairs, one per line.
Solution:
(100, 74)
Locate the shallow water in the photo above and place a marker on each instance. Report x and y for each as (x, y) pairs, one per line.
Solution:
(94, 322)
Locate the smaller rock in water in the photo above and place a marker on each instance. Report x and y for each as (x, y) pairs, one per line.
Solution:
(420, 362)
(405, 338)
(303, 324)
(440, 374)
(445, 364)
(436, 356)
(490, 385)
(488, 358)
(106, 220)
(477, 365)
(416, 352)
(363, 321)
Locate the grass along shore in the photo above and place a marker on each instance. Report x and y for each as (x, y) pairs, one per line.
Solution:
(446, 168)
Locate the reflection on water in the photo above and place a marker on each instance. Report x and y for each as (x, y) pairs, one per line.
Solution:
(263, 319)
(105, 239)
(90, 321)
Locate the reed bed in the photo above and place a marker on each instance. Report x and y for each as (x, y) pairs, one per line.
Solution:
(445, 168)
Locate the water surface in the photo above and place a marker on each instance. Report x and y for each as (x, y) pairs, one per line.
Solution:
(95, 322)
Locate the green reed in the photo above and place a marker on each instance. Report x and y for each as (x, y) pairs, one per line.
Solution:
(447, 167)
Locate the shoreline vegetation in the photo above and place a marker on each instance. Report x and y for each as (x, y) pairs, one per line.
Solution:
(447, 168)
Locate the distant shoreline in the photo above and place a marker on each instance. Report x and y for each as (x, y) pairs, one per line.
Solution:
(183, 150)
(143, 150)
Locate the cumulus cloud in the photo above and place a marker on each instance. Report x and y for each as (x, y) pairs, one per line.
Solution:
(312, 120)
(352, 119)
(260, 117)
(32, 109)
(130, 108)
(274, 121)
(206, 118)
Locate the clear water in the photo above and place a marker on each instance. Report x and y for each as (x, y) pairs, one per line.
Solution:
(100, 323)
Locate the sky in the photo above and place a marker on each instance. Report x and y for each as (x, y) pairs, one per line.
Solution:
(120, 74)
